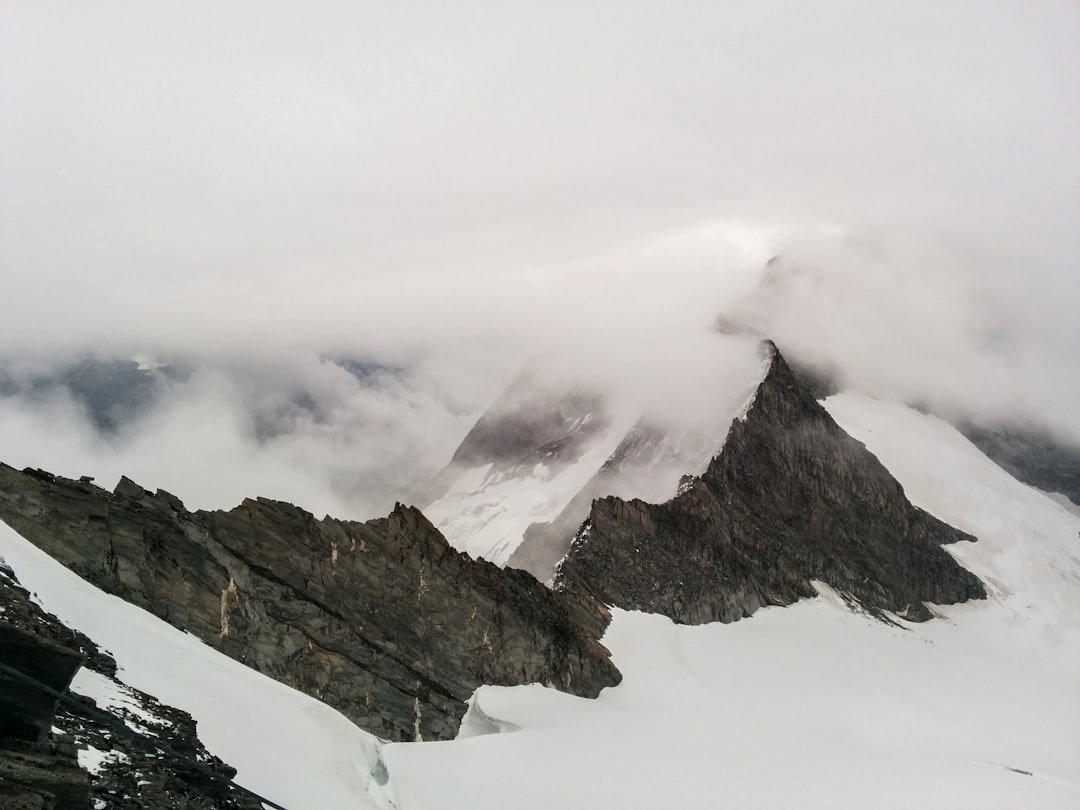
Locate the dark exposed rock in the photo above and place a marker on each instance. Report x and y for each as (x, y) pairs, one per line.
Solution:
(162, 767)
(382, 620)
(34, 771)
(790, 499)
(820, 378)
(44, 775)
(27, 712)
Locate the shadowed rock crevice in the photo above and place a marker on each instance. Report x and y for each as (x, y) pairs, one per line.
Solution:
(381, 620)
(790, 499)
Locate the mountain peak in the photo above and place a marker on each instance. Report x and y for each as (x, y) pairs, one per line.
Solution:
(791, 499)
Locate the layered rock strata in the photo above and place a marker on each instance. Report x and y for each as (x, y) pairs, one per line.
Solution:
(381, 620)
(790, 499)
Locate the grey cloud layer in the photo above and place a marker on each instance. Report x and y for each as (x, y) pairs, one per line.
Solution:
(207, 154)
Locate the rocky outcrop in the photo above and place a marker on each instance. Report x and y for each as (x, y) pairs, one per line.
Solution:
(152, 759)
(36, 769)
(790, 499)
(381, 620)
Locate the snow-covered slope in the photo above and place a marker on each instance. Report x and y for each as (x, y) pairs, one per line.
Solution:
(285, 746)
(813, 706)
(486, 509)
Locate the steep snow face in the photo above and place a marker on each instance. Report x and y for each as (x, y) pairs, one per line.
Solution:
(285, 746)
(527, 455)
(813, 706)
(1028, 553)
(486, 509)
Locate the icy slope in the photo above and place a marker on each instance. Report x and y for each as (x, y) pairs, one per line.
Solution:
(286, 746)
(812, 706)
(1029, 550)
(486, 509)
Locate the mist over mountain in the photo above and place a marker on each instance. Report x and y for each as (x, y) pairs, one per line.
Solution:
(928, 321)
(248, 197)
(482, 281)
(891, 314)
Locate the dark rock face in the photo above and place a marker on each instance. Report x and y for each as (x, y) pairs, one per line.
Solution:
(40, 738)
(35, 770)
(790, 499)
(26, 712)
(381, 620)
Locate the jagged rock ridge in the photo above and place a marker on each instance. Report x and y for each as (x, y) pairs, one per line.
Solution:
(790, 499)
(381, 620)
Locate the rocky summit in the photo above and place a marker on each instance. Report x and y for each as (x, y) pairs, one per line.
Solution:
(791, 499)
(381, 620)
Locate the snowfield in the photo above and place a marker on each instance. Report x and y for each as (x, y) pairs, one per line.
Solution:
(810, 706)
(813, 706)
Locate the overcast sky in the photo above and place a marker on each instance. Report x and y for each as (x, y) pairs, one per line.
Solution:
(410, 179)
(259, 166)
